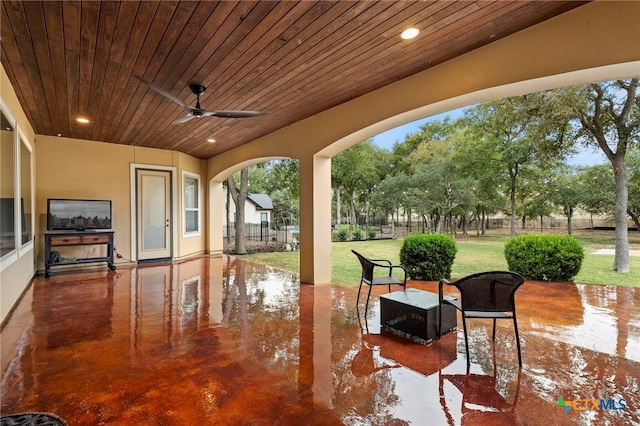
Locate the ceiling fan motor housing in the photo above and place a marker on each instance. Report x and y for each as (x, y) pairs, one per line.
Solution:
(197, 89)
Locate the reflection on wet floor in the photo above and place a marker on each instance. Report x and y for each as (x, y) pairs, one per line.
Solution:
(220, 340)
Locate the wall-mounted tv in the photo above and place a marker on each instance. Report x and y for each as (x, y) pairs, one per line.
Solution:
(78, 215)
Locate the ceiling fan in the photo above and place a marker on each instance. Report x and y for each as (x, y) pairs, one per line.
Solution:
(197, 111)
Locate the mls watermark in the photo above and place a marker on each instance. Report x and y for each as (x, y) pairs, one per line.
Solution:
(581, 404)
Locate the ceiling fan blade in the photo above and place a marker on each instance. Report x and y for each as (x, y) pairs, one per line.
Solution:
(163, 92)
(184, 119)
(232, 113)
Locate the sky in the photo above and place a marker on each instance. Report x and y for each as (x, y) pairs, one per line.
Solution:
(587, 157)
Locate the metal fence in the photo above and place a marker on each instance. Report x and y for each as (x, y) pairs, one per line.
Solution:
(262, 232)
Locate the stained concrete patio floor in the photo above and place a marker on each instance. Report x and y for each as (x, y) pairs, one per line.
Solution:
(219, 340)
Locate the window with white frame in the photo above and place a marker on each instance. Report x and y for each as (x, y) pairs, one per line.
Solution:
(191, 204)
(26, 194)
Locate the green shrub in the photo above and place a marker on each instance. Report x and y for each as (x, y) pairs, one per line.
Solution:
(428, 256)
(371, 232)
(342, 234)
(544, 257)
(356, 234)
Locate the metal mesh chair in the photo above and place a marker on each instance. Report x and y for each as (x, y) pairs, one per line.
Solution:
(485, 295)
(369, 275)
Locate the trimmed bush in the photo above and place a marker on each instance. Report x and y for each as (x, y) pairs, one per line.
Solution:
(544, 257)
(356, 234)
(428, 257)
(342, 234)
(371, 232)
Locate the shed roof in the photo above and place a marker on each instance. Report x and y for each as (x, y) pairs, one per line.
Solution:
(262, 201)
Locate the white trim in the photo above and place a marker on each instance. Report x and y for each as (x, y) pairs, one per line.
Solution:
(195, 176)
(133, 167)
(11, 256)
(22, 139)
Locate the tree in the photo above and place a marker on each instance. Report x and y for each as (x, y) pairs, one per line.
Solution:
(566, 194)
(354, 173)
(506, 140)
(598, 190)
(418, 145)
(390, 195)
(535, 196)
(281, 181)
(239, 196)
(285, 211)
(633, 164)
(438, 188)
(608, 116)
(442, 192)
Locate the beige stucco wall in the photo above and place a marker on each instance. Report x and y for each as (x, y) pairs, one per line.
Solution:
(595, 42)
(73, 168)
(190, 245)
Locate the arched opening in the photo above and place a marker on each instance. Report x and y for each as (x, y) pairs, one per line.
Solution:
(315, 159)
(580, 46)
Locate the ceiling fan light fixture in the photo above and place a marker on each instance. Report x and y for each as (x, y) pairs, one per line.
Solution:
(410, 33)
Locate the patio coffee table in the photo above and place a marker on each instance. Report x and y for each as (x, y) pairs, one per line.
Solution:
(414, 313)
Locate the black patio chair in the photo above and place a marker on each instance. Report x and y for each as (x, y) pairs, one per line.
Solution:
(485, 295)
(369, 275)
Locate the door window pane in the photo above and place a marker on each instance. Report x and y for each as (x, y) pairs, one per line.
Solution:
(153, 212)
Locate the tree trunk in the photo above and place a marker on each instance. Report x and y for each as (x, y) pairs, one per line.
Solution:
(636, 221)
(439, 219)
(239, 196)
(354, 218)
(621, 259)
(569, 211)
(512, 221)
(338, 209)
(393, 226)
(228, 216)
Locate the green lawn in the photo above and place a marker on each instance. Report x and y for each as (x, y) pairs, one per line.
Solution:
(474, 255)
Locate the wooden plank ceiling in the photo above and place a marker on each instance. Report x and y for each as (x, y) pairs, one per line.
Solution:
(294, 59)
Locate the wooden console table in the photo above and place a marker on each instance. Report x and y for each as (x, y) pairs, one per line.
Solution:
(77, 238)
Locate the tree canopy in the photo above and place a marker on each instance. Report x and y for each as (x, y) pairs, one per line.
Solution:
(506, 156)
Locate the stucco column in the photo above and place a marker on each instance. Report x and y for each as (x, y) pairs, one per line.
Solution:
(215, 241)
(315, 219)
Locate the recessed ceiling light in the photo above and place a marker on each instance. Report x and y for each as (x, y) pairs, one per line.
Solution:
(410, 33)
(82, 120)
(211, 140)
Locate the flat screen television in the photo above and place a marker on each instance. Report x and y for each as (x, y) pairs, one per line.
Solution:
(78, 215)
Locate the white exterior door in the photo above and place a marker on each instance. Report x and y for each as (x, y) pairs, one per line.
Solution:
(154, 225)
